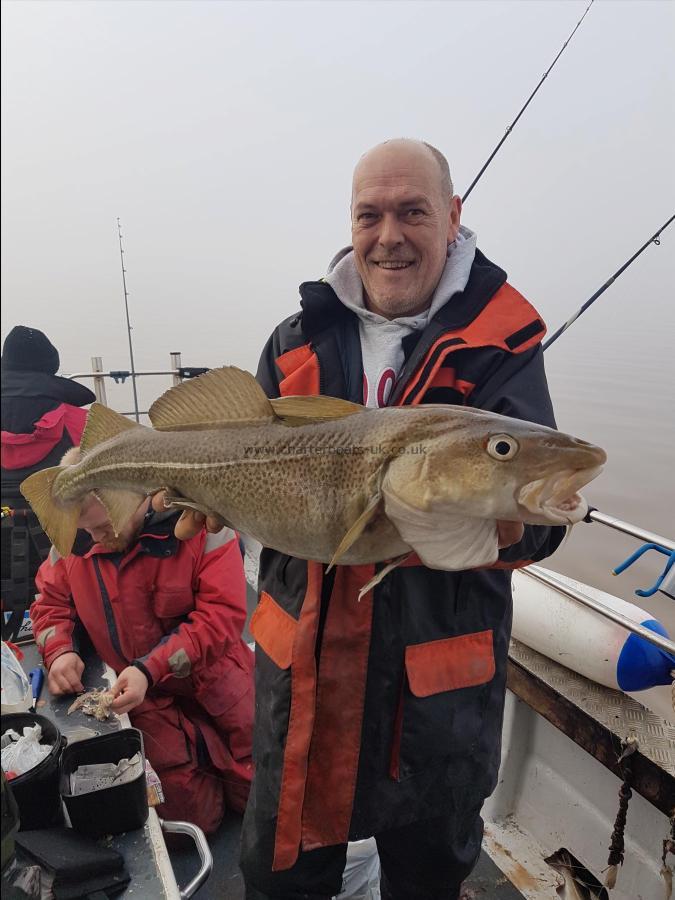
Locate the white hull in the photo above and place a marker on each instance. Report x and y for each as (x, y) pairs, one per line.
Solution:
(553, 794)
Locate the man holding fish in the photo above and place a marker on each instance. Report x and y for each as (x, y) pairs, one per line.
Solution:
(385, 606)
(396, 702)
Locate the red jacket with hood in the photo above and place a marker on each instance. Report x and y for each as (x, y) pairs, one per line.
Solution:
(177, 608)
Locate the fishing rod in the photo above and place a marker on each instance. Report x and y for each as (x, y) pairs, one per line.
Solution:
(126, 308)
(654, 239)
(595, 515)
(527, 103)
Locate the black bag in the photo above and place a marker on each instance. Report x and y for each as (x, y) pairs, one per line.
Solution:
(79, 865)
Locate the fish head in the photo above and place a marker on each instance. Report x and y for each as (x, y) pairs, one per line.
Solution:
(491, 466)
(557, 467)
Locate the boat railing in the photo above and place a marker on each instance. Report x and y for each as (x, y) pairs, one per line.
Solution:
(648, 537)
(177, 371)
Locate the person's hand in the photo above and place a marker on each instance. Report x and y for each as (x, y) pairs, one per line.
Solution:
(191, 522)
(129, 690)
(509, 533)
(64, 674)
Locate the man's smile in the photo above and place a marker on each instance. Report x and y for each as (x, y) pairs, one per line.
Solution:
(393, 264)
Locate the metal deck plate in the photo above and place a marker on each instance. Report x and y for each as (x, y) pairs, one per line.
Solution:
(612, 709)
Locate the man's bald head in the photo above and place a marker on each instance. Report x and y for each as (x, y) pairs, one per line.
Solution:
(406, 149)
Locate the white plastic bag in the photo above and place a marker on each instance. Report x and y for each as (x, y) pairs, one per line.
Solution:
(361, 876)
(24, 754)
(16, 691)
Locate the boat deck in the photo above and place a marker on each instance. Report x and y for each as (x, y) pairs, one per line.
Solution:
(598, 719)
(487, 881)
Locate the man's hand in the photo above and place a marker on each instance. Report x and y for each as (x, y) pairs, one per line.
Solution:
(129, 690)
(65, 674)
(191, 522)
(509, 533)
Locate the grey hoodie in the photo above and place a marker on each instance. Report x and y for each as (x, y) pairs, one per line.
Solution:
(381, 338)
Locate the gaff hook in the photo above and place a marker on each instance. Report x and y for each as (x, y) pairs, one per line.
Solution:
(638, 553)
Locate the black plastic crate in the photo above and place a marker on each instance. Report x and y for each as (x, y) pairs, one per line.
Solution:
(113, 810)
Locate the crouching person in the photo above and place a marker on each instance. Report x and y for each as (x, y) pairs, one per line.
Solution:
(167, 616)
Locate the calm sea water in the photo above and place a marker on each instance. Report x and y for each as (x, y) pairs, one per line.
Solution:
(617, 391)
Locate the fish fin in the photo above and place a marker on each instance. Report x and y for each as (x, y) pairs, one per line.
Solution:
(217, 399)
(103, 423)
(58, 522)
(176, 502)
(377, 578)
(356, 530)
(443, 538)
(305, 410)
(567, 535)
(121, 506)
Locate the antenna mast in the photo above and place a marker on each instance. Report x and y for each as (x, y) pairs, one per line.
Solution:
(126, 309)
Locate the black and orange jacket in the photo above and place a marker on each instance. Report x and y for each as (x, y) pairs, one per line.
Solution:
(370, 712)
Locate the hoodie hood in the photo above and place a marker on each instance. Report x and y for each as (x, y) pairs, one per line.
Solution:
(381, 338)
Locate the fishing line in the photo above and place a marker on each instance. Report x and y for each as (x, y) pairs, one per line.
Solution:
(529, 100)
(654, 239)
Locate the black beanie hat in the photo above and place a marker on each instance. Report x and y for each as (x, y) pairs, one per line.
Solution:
(29, 350)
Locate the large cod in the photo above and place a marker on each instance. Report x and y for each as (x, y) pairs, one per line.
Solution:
(322, 478)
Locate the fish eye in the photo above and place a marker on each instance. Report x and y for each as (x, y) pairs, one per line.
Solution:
(502, 447)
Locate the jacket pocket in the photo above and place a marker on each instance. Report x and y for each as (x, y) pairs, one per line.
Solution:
(450, 664)
(172, 603)
(443, 702)
(274, 630)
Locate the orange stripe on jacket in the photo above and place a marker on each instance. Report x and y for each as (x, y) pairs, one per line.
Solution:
(503, 315)
(300, 725)
(301, 370)
(340, 702)
(446, 377)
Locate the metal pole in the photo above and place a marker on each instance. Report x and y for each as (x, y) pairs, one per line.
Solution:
(658, 640)
(647, 536)
(126, 308)
(99, 380)
(175, 364)
(112, 373)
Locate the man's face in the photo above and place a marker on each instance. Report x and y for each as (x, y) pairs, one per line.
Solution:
(94, 520)
(401, 227)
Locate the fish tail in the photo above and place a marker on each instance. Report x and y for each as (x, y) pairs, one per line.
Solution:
(58, 521)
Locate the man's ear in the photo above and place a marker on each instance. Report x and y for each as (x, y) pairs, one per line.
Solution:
(454, 217)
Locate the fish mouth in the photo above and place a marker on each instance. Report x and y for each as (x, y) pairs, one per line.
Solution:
(554, 500)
